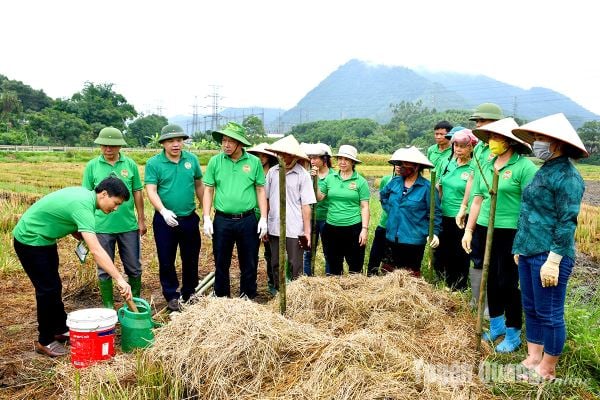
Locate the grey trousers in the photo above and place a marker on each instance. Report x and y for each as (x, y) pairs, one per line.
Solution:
(294, 256)
(129, 247)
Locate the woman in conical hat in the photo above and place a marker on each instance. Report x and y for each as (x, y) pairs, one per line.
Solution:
(544, 246)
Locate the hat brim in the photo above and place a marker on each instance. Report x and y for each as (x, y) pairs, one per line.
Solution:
(280, 152)
(527, 135)
(348, 156)
(218, 137)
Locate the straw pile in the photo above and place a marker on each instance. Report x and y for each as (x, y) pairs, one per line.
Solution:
(342, 338)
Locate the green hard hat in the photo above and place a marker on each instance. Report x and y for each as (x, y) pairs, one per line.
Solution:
(487, 111)
(172, 131)
(110, 136)
(232, 130)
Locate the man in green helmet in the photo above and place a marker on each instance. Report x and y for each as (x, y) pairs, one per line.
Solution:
(173, 181)
(124, 227)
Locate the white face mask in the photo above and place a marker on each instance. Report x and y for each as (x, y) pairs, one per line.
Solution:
(542, 150)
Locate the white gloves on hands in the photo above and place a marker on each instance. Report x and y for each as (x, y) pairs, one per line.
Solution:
(169, 217)
(435, 242)
(549, 271)
(460, 217)
(262, 228)
(208, 226)
(466, 240)
(516, 258)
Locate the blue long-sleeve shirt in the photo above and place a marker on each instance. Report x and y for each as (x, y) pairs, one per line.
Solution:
(408, 211)
(549, 210)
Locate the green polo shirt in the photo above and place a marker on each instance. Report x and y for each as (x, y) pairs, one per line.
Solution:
(453, 183)
(435, 155)
(175, 181)
(96, 170)
(234, 181)
(323, 205)
(514, 176)
(384, 216)
(56, 215)
(344, 198)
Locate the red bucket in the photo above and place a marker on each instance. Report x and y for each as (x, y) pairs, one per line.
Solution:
(92, 335)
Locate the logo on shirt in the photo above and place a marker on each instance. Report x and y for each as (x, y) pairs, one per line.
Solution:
(246, 168)
(124, 173)
(352, 186)
(507, 174)
(464, 176)
(188, 165)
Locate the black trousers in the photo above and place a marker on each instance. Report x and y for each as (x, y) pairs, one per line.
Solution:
(41, 265)
(341, 242)
(504, 296)
(451, 262)
(379, 250)
(408, 256)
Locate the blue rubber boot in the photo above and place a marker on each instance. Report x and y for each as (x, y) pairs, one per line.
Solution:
(511, 341)
(497, 329)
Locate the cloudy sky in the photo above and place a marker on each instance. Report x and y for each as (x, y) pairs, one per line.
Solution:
(168, 54)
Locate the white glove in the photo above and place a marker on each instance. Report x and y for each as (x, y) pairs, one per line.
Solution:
(516, 258)
(466, 240)
(169, 217)
(262, 228)
(208, 226)
(435, 242)
(549, 271)
(460, 217)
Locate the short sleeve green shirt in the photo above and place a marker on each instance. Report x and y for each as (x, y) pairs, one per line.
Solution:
(344, 198)
(514, 176)
(323, 205)
(384, 216)
(96, 170)
(175, 181)
(234, 181)
(56, 215)
(453, 183)
(435, 155)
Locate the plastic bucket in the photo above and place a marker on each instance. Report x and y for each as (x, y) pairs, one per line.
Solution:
(92, 335)
(136, 328)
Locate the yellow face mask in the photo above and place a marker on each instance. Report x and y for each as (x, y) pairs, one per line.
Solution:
(498, 147)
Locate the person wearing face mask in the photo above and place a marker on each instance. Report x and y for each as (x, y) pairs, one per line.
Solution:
(515, 172)
(268, 160)
(406, 200)
(451, 262)
(299, 197)
(346, 229)
(544, 245)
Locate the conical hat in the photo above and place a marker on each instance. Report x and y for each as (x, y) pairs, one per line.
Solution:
(410, 154)
(288, 145)
(260, 149)
(556, 126)
(503, 127)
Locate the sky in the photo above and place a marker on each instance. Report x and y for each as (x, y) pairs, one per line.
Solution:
(167, 56)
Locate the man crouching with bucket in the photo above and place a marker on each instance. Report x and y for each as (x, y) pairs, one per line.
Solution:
(66, 211)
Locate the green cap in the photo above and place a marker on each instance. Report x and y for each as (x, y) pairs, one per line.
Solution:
(172, 131)
(489, 111)
(232, 130)
(110, 136)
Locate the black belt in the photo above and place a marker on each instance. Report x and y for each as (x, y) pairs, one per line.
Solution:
(235, 216)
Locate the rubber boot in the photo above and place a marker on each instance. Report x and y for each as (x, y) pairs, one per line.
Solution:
(106, 291)
(136, 285)
(475, 278)
(497, 329)
(511, 341)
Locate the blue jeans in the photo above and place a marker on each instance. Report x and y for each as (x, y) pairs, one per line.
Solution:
(186, 235)
(308, 255)
(129, 251)
(242, 233)
(544, 306)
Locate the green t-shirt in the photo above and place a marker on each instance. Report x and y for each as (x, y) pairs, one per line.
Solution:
(323, 205)
(344, 198)
(234, 181)
(384, 216)
(453, 184)
(175, 181)
(124, 219)
(56, 215)
(514, 176)
(435, 155)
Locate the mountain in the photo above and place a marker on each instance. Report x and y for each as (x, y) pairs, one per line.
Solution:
(361, 90)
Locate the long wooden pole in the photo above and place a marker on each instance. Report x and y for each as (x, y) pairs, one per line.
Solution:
(431, 220)
(313, 229)
(486, 258)
(282, 237)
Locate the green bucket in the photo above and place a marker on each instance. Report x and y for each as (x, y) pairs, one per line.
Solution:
(136, 328)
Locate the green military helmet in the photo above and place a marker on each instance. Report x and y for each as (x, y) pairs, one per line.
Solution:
(172, 131)
(110, 136)
(489, 111)
(234, 131)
